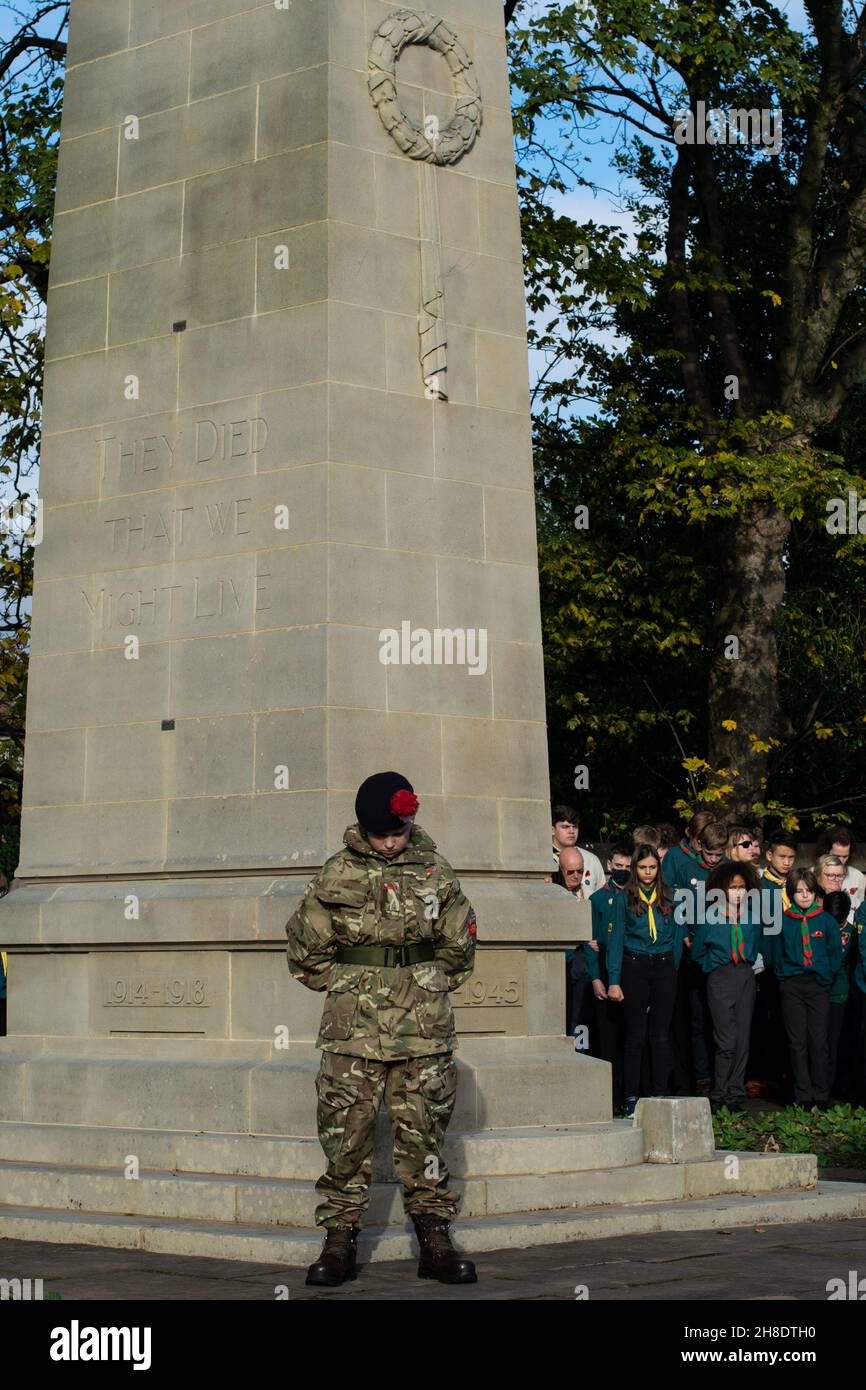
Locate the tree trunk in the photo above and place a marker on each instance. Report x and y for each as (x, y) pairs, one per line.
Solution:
(744, 675)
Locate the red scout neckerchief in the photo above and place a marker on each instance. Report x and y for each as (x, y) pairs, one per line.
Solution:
(738, 943)
(693, 854)
(803, 917)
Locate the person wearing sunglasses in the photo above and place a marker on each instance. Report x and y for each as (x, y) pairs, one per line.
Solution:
(743, 846)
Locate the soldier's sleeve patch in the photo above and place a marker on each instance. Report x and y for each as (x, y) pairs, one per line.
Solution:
(471, 925)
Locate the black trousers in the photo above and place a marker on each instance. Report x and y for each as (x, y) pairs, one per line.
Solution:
(836, 1023)
(608, 1044)
(806, 1012)
(648, 983)
(681, 1035)
(769, 1058)
(731, 991)
(852, 1047)
(579, 1004)
(701, 1025)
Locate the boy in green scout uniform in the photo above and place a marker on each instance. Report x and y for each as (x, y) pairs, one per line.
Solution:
(385, 928)
(608, 1016)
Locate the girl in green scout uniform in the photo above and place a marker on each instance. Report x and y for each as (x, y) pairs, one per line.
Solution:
(385, 928)
(805, 956)
(726, 943)
(643, 953)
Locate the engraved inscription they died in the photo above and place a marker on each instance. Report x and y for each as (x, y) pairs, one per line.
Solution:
(157, 534)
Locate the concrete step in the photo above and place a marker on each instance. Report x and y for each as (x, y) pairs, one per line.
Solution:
(554, 1149)
(272, 1245)
(292, 1201)
(144, 1084)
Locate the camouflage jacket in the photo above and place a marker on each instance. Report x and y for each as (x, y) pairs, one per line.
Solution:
(360, 898)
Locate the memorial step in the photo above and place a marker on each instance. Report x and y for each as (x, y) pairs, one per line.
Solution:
(535, 1149)
(291, 1202)
(273, 1245)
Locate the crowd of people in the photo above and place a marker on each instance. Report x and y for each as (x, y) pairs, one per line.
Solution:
(719, 966)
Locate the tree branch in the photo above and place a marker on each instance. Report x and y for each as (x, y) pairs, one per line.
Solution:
(24, 42)
(682, 326)
(719, 299)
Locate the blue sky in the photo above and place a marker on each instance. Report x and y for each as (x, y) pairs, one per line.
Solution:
(605, 205)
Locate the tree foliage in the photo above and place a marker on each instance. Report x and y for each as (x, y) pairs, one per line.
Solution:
(704, 383)
(31, 86)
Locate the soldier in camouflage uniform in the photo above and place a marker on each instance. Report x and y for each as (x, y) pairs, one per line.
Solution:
(385, 928)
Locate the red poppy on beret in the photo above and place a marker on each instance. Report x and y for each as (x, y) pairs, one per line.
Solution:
(404, 804)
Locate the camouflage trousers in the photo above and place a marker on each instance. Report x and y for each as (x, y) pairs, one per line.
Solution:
(419, 1095)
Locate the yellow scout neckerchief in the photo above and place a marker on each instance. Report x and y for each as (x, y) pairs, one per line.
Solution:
(649, 907)
(780, 883)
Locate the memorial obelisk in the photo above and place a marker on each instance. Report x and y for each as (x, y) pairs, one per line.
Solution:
(289, 540)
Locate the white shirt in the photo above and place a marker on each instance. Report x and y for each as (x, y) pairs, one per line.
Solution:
(593, 873)
(854, 884)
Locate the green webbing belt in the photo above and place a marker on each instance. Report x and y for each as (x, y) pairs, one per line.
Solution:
(385, 955)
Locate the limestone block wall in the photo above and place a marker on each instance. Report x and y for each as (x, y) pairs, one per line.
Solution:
(244, 481)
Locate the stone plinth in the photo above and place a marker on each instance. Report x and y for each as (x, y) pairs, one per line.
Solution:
(676, 1129)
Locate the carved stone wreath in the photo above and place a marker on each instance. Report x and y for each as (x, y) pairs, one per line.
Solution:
(416, 26)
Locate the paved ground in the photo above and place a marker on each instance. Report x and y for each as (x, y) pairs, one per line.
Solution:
(756, 1263)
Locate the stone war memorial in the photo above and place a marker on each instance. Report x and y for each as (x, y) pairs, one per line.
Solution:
(289, 539)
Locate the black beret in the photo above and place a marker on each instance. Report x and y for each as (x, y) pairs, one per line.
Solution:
(373, 803)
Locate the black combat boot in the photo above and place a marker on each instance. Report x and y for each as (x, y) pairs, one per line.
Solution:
(439, 1260)
(336, 1264)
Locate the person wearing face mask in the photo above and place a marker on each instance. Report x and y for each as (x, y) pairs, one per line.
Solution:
(726, 945)
(643, 952)
(608, 1015)
(805, 957)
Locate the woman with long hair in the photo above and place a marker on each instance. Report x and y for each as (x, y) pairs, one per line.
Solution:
(643, 953)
